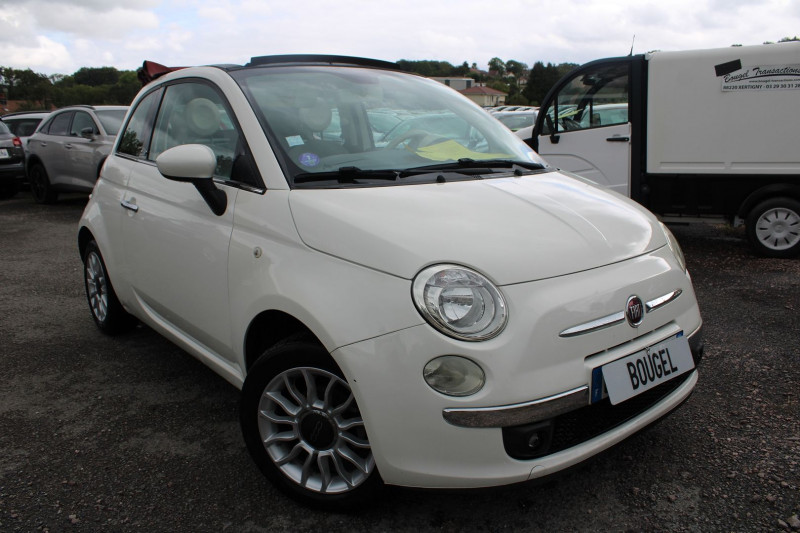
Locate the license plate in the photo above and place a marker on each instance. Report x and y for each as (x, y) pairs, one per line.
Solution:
(3, 153)
(648, 368)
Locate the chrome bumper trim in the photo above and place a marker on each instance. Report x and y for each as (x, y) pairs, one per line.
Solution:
(516, 414)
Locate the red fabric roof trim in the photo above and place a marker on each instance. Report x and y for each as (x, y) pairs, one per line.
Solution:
(151, 70)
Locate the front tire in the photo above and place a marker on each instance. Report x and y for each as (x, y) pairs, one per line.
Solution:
(304, 430)
(773, 227)
(107, 312)
(42, 190)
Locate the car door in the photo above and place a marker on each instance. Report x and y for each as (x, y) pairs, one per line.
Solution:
(176, 249)
(49, 146)
(585, 127)
(80, 168)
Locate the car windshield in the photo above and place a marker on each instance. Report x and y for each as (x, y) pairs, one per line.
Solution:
(111, 119)
(328, 122)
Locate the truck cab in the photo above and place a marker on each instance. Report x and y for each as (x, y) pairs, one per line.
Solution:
(693, 135)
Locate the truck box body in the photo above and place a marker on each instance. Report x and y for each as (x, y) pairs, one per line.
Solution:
(699, 123)
(700, 133)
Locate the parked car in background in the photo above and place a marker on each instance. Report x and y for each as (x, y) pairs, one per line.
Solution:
(440, 309)
(516, 120)
(12, 162)
(503, 108)
(24, 123)
(67, 151)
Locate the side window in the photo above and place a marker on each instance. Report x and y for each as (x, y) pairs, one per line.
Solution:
(136, 136)
(80, 122)
(194, 113)
(60, 124)
(593, 98)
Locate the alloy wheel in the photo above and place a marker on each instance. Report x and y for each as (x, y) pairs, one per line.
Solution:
(97, 286)
(312, 431)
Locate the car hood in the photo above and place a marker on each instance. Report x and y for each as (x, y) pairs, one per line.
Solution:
(513, 229)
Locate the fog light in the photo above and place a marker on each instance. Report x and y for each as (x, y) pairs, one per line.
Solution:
(454, 376)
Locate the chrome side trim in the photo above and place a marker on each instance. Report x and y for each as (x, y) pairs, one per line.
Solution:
(516, 414)
(616, 318)
(652, 305)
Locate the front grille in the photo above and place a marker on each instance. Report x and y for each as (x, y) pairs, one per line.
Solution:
(576, 427)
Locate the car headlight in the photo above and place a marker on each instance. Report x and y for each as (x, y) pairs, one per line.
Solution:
(674, 246)
(459, 302)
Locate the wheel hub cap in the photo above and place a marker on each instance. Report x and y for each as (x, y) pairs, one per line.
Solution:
(317, 430)
(779, 228)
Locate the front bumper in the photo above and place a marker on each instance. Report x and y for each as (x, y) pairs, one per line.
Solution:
(543, 408)
(532, 373)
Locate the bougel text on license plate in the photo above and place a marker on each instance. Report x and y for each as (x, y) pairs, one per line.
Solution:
(643, 370)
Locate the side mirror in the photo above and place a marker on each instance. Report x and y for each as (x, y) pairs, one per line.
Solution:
(87, 133)
(195, 164)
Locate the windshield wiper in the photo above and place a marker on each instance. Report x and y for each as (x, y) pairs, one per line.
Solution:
(468, 165)
(347, 175)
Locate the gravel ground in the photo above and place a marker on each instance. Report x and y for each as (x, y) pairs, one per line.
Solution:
(132, 434)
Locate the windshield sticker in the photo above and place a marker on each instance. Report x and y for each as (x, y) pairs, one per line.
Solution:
(762, 78)
(294, 140)
(308, 159)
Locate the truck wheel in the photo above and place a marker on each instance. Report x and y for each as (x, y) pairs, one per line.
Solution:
(773, 227)
(304, 430)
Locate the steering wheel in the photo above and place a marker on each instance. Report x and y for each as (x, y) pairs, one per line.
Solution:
(415, 138)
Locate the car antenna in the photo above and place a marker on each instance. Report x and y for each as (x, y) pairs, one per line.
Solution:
(632, 41)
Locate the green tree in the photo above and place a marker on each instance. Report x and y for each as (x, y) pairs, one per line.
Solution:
(497, 65)
(542, 77)
(516, 68)
(96, 77)
(427, 67)
(32, 88)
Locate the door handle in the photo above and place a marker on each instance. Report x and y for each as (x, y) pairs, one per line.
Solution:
(68, 146)
(128, 205)
(618, 139)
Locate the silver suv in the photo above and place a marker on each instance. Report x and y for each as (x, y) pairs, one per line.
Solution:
(68, 150)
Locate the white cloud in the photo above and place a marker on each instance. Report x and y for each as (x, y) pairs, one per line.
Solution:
(38, 56)
(184, 32)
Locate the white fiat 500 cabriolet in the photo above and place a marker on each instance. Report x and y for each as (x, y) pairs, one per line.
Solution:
(438, 309)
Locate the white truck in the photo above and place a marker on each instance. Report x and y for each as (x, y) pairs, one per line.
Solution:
(690, 135)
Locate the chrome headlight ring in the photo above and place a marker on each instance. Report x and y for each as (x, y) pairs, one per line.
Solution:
(459, 302)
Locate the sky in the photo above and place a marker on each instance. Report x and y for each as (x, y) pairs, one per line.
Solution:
(62, 36)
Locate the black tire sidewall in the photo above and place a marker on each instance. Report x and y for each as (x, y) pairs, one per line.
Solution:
(117, 319)
(280, 358)
(752, 220)
(41, 189)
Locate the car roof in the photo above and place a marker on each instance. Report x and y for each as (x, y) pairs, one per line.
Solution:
(25, 114)
(92, 107)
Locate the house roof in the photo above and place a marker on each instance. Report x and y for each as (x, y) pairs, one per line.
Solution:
(483, 90)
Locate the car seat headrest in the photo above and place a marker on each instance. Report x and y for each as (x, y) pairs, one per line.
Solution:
(202, 117)
(316, 115)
